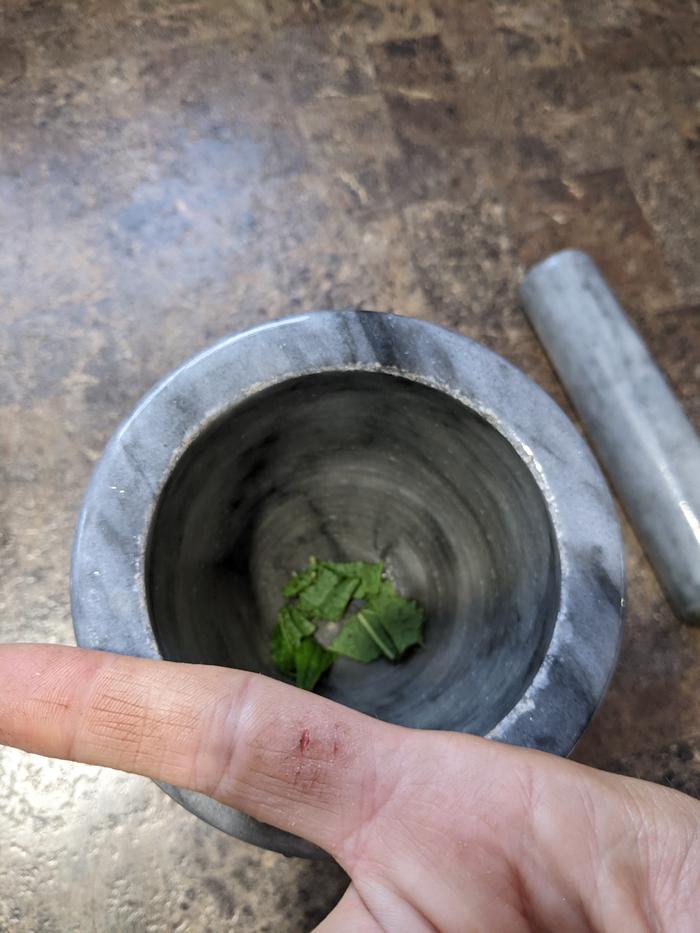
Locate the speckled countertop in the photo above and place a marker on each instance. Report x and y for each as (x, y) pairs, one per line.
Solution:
(174, 170)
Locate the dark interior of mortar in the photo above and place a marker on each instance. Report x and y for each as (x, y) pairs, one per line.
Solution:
(361, 466)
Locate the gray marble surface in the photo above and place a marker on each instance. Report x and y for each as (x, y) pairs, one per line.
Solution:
(637, 426)
(357, 434)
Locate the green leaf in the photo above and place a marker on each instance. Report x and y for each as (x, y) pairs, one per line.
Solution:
(294, 624)
(315, 595)
(312, 661)
(385, 595)
(402, 620)
(354, 641)
(328, 597)
(387, 625)
(368, 620)
(282, 652)
(369, 576)
(301, 581)
(337, 601)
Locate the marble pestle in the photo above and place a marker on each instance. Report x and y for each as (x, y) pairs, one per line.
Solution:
(638, 428)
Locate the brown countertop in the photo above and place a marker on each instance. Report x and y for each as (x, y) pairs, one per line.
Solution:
(171, 172)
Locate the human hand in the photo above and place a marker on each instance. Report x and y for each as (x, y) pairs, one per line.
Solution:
(438, 831)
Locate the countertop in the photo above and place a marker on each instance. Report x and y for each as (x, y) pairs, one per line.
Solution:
(171, 172)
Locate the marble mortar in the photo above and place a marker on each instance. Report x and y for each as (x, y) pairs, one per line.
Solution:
(359, 435)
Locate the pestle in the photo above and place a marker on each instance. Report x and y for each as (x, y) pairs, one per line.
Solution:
(638, 428)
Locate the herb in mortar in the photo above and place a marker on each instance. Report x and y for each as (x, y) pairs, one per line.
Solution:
(382, 623)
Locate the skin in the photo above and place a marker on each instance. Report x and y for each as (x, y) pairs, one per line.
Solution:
(438, 831)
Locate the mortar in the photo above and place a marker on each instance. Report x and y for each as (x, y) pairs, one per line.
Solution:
(357, 435)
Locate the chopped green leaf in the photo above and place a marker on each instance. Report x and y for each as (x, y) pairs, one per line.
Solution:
(301, 581)
(387, 624)
(312, 660)
(385, 594)
(337, 601)
(370, 581)
(282, 652)
(294, 624)
(354, 641)
(328, 597)
(372, 625)
(401, 619)
(369, 576)
(314, 596)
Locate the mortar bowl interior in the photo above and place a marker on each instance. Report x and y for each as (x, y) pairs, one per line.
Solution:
(354, 465)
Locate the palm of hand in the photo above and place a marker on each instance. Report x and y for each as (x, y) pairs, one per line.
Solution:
(476, 836)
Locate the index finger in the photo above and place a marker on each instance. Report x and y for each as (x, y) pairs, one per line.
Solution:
(286, 757)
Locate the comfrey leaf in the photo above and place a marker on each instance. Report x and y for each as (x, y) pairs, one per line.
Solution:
(402, 620)
(386, 625)
(283, 652)
(312, 661)
(328, 596)
(294, 624)
(369, 576)
(313, 597)
(354, 641)
(336, 603)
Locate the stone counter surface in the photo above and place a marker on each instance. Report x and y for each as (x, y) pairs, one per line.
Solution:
(171, 172)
